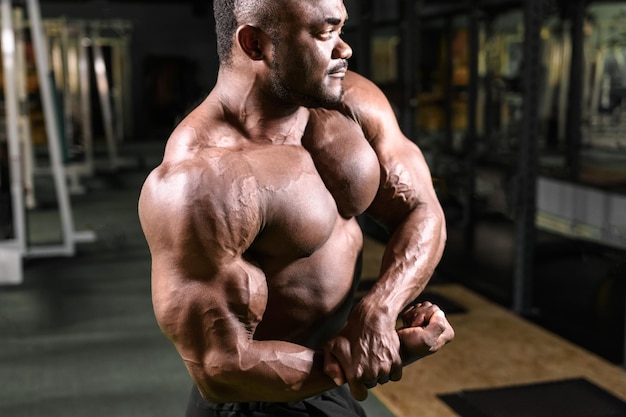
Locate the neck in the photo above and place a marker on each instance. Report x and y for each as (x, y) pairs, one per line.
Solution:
(258, 115)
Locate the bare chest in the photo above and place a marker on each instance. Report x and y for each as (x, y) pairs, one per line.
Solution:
(299, 212)
(306, 189)
(344, 160)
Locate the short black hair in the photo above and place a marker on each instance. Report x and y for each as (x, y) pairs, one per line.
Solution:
(225, 28)
(229, 14)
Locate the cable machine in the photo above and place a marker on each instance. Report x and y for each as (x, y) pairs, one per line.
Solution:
(15, 247)
(91, 86)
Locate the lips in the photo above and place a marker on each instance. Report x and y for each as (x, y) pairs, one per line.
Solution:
(339, 70)
(337, 74)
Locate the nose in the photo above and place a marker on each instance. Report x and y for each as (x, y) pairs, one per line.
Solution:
(342, 50)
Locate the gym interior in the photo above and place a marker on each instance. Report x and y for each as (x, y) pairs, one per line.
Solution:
(518, 105)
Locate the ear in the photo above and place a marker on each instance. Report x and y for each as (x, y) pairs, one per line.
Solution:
(252, 41)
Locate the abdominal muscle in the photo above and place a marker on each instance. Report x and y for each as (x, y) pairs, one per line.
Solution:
(309, 299)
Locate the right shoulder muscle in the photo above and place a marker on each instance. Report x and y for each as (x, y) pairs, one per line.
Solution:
(208, 208)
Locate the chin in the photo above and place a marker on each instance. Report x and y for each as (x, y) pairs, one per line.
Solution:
(328, 100)
(323, 97)
(326, 104)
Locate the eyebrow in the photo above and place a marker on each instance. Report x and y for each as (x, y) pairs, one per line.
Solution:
(335, 20)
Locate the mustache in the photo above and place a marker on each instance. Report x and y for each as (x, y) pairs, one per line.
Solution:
(341, 66)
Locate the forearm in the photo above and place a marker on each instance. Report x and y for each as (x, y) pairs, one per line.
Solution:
(271, 371)
(410, 258)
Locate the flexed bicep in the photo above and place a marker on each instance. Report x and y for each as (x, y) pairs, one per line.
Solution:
(211, 321)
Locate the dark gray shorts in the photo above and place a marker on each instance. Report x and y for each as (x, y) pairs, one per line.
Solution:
(334, 403)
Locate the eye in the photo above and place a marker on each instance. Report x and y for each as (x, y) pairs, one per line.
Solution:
(327, 33)
(331, 33)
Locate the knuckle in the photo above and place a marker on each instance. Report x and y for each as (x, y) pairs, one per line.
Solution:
(441, 327)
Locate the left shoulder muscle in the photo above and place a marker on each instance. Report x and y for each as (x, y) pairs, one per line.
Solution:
(367, 105)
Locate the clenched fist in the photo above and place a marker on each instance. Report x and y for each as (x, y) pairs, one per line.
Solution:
(425, 331)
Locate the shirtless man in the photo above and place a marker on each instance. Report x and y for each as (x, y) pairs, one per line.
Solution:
(250, 219)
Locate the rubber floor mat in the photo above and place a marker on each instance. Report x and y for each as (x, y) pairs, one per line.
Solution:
(566, 398)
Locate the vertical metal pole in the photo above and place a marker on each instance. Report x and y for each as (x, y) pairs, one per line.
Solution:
(68, 113)
(564, 81)
(28, 154)
(525, 209)
(117, 89)
(574, 109)
(84, 82)
(471, 140)
(52, 124)
(106, 108)
(12, 119)
(127, 85)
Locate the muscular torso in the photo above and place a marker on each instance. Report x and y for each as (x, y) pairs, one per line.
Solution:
(309, 241)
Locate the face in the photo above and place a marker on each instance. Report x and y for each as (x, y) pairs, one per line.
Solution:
(309, 58)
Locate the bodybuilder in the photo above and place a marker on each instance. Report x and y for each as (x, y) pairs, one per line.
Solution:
(250, 220)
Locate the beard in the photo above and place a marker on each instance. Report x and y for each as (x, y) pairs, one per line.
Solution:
(306, 94)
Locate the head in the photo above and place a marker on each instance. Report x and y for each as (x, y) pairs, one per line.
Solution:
(296, 43)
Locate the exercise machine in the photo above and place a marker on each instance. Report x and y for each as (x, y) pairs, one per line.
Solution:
(14, 248)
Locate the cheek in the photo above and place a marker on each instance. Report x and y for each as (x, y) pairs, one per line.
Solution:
(301, 70)
(312, 58)
(303, 64)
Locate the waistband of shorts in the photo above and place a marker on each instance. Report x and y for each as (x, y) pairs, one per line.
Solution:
(254, 405)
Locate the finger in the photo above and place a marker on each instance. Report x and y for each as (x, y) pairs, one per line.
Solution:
(451, 334)
(396, 369)
(419, 316)
(411, 317)
(358, 390)
(448, 332)
(371, 384)
(341, 352)
(441, 330)
(332, 368)
(411, 307)
(429, 313)
(438, 321)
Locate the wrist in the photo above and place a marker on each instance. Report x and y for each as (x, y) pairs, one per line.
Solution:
(370, 309)
(408, 357)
